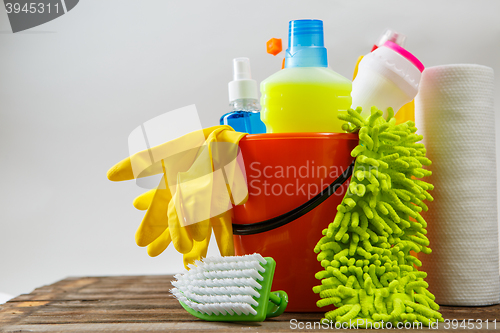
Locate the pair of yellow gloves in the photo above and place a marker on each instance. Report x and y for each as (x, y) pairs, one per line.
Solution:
(203, 176)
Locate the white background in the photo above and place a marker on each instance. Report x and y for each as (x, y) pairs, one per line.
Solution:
(73, 89)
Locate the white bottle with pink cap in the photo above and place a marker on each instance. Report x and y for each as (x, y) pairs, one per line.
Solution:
(387, 77)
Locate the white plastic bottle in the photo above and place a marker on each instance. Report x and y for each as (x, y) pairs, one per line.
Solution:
(387, 77)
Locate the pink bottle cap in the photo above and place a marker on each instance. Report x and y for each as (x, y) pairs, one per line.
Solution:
(395, 47)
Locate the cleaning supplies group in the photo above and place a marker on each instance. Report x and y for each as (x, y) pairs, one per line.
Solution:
(307, 96)
(369, 272)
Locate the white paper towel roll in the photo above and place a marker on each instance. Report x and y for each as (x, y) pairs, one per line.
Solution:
(454, 113)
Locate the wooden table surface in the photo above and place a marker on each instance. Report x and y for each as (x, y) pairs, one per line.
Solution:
(143, 303)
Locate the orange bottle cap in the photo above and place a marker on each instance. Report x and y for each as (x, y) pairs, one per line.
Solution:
(274, 46)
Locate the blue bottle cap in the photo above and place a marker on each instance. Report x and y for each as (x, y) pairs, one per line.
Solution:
(305, 44)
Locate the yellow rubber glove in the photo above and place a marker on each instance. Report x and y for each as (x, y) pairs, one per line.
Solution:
(208, 178)
(143, 201)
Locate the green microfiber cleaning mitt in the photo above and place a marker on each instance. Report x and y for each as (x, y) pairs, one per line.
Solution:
(369, 273)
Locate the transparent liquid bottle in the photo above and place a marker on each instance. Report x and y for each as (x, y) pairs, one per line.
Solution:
(244, 115)
(305, 96)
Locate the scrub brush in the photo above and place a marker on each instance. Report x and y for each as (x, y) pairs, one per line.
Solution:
(369, 273)
(234, 288)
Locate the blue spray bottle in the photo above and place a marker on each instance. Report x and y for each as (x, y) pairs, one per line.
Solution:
(243, 94)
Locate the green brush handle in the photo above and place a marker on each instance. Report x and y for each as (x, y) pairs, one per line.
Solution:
(278, 301)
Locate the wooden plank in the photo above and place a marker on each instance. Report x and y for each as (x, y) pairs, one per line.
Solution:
(143, 303)
(117, 313)
(268, 326)
(92, 297)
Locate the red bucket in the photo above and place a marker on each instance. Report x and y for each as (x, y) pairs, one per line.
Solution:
(288, 175)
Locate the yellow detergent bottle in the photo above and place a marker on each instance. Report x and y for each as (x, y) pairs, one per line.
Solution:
(306, 96)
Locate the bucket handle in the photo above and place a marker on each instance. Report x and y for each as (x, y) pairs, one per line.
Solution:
(281, 220)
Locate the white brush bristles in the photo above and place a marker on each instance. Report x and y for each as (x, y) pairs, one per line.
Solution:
(222, 285)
